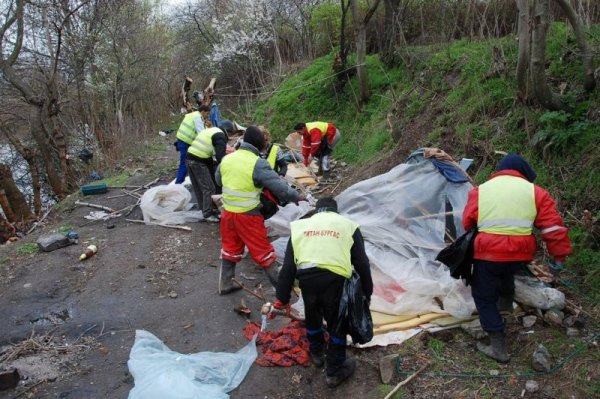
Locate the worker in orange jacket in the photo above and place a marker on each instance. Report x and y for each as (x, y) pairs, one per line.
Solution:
(318, 140)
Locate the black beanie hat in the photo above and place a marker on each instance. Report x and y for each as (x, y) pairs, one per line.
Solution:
(254, 136)
(300, 126)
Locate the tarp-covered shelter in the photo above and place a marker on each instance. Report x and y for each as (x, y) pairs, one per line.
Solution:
(404, 216)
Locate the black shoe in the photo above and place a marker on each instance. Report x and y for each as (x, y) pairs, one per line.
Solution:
(318, 359)
(342, 374)
(497, 348)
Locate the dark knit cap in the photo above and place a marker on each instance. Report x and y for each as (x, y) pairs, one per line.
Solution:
(300, 126)
(326, 204)
(254, 136)
(516, 162)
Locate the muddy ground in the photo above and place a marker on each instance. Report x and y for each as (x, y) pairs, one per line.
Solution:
(71, 324)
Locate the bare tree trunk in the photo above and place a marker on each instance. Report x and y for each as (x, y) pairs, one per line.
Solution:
(17, 204)
(541, 24)
(523, 80)
(589, 83)
(360, 28)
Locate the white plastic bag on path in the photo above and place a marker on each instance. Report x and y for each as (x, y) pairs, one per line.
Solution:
(168, 204)
(160, 373)
(534, 293)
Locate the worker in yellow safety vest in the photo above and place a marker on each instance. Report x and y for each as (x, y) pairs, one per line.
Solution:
(318, 140)
(192, 124)
(203, 156)
(321, 253)
(243, 174)
(505, 210)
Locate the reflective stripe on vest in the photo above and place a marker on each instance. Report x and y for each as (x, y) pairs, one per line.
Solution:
(506, 206)
(239, 192)
(272, 156)
(322, 126)
(187, 129)
(324, 240)
(202, 146)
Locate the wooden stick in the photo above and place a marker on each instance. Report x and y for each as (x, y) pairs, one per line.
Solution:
(105, 208)
(406, 381)
(186, 228)
(248, 290)
(36, 224)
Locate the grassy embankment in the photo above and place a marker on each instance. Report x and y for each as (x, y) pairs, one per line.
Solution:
(468, 116)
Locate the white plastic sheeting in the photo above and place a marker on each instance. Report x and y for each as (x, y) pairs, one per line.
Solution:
(168, 204)
(160, 373)
(402, 216)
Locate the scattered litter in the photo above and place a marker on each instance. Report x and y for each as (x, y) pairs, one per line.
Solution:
(53, 241)
(541, 360)
(554, 316)
(160, 373)
(494, 372)
(99, 215)
(90, 251)
(168, 204)
(9, 379)
(572, 332)
(94, 189)
(532, 386)
(247, 277)
(529, 321)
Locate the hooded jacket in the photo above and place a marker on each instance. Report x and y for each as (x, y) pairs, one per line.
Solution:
(508, 248)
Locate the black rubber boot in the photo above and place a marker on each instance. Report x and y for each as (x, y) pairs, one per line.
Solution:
(316, 341)
(226, 273)
(497, 348)
(272, 273)
(505, 304)
(342, 374)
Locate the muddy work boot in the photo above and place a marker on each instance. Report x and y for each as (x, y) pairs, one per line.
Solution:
(316, 342)
(317, 358)
(226, 273)
(497, 348)
(341, 374)
(326, 174)
(505, 304)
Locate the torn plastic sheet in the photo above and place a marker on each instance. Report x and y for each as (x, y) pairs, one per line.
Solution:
(160, 373)
(403, 216)
(168, 204)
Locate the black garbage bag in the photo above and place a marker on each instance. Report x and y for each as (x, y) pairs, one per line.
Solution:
(458, 256)
(354, 311)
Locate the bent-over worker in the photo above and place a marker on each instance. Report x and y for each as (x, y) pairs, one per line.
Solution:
(243, 175)
(505, 209)
(321, 253)
(318, 140)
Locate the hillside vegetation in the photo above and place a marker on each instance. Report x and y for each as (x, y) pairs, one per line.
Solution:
(447, 96)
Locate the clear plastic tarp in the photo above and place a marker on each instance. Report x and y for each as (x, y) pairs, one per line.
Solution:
(403, 216)
(160, 373)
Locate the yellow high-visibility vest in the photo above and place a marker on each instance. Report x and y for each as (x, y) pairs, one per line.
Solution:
(202, 146)
(239, 192)
(324, 241)
(187, 129)
(506, 206)
(272, 156)
(322, 126)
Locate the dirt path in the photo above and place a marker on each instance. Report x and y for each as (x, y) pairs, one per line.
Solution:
(143, 277)
(74, 322)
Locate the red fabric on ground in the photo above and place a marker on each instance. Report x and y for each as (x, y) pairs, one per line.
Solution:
(239, 229)
(286, 347)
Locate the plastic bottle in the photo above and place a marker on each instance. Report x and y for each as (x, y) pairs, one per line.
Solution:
(89, 252)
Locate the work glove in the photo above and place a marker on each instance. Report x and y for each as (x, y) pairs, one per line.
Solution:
(307, 160)
(279, 305)
(301, 197)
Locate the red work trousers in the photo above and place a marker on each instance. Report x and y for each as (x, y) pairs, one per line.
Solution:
(239, 230)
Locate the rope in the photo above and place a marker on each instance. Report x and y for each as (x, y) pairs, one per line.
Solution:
(240, 94)
(558, 366)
